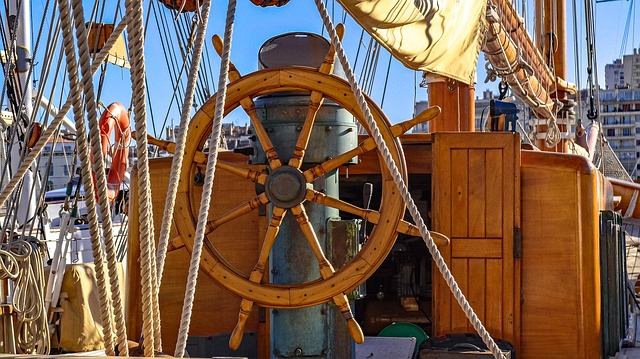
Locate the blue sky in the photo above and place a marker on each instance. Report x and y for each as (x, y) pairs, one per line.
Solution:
(254, 25)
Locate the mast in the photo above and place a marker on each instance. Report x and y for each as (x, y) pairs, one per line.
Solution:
(21, 9)
(457, 101)
(552, 42)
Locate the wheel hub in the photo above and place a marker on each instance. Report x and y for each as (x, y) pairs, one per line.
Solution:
(286, 187)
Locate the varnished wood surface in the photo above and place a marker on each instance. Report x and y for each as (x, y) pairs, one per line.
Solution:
(561, 197)
(475, 202)
(295, 295)
(626, 190)
(214, 310)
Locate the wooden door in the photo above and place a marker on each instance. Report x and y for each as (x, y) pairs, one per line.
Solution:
(476, 202)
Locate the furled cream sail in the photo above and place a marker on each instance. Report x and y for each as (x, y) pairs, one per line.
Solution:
(438, 36)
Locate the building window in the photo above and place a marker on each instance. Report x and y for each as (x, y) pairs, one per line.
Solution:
(51, 171)
(611, 132)
(626, 132)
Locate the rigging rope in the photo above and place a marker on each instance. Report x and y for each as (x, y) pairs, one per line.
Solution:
(75, 96)
(138, 87)
(48, 133)
(176, 165)
(397, 177)
(214, 143)
(101, 179)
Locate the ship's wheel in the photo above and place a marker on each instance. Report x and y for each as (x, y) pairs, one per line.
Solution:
(286, 190)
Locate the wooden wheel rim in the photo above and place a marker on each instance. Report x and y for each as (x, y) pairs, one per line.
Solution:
(382, 236)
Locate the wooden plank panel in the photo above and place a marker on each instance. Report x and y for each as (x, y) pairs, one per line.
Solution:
(460, 193)
(493, 311)
(460, 271)
(483, 201)
(477, 193)
(508, 225)
(442, 197)
(477, 288)
(238, 240)
(476, 248)
(495, 184)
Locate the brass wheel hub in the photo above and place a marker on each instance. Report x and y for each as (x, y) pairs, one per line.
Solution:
(286, 187)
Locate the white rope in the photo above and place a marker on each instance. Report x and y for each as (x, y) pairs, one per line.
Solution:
(101, 178)
(83, 153)
(214, 142)
(397, 178)
(32, 328)
(178, 155)
(53, 126)
(155, 285)
(138, 86)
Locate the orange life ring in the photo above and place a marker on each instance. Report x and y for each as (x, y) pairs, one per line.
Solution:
(115, 116)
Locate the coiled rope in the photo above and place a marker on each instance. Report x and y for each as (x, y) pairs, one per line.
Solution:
(214, 142)
(397, 178)
(32, 327)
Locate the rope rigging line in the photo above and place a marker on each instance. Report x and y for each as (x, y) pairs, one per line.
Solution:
(169, 54)
(214, 142)
(48, 133)
(10, 65)
(397, 177)
(100, 176)
(176, 165)
(138, 87)
(76, 98)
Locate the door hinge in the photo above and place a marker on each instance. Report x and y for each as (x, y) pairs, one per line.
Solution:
(517, 243)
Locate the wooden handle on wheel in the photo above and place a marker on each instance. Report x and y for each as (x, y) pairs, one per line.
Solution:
(238, 331)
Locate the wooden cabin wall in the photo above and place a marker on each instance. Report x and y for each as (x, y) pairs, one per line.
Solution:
(215, 311)
(561, 199)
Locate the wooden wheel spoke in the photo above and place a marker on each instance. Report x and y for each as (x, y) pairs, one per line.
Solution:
(371, 216)
(257, 274)
(253, 176)
(315, 101)
(321, 198)
(242, 209)
(327, 63)
(269, 239)
(201, 158)
(369, 144)
(327, 271)
(250, 108)
(169, 146)
(270, 151)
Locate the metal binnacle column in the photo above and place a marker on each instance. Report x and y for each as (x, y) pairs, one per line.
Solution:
(318, 331)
